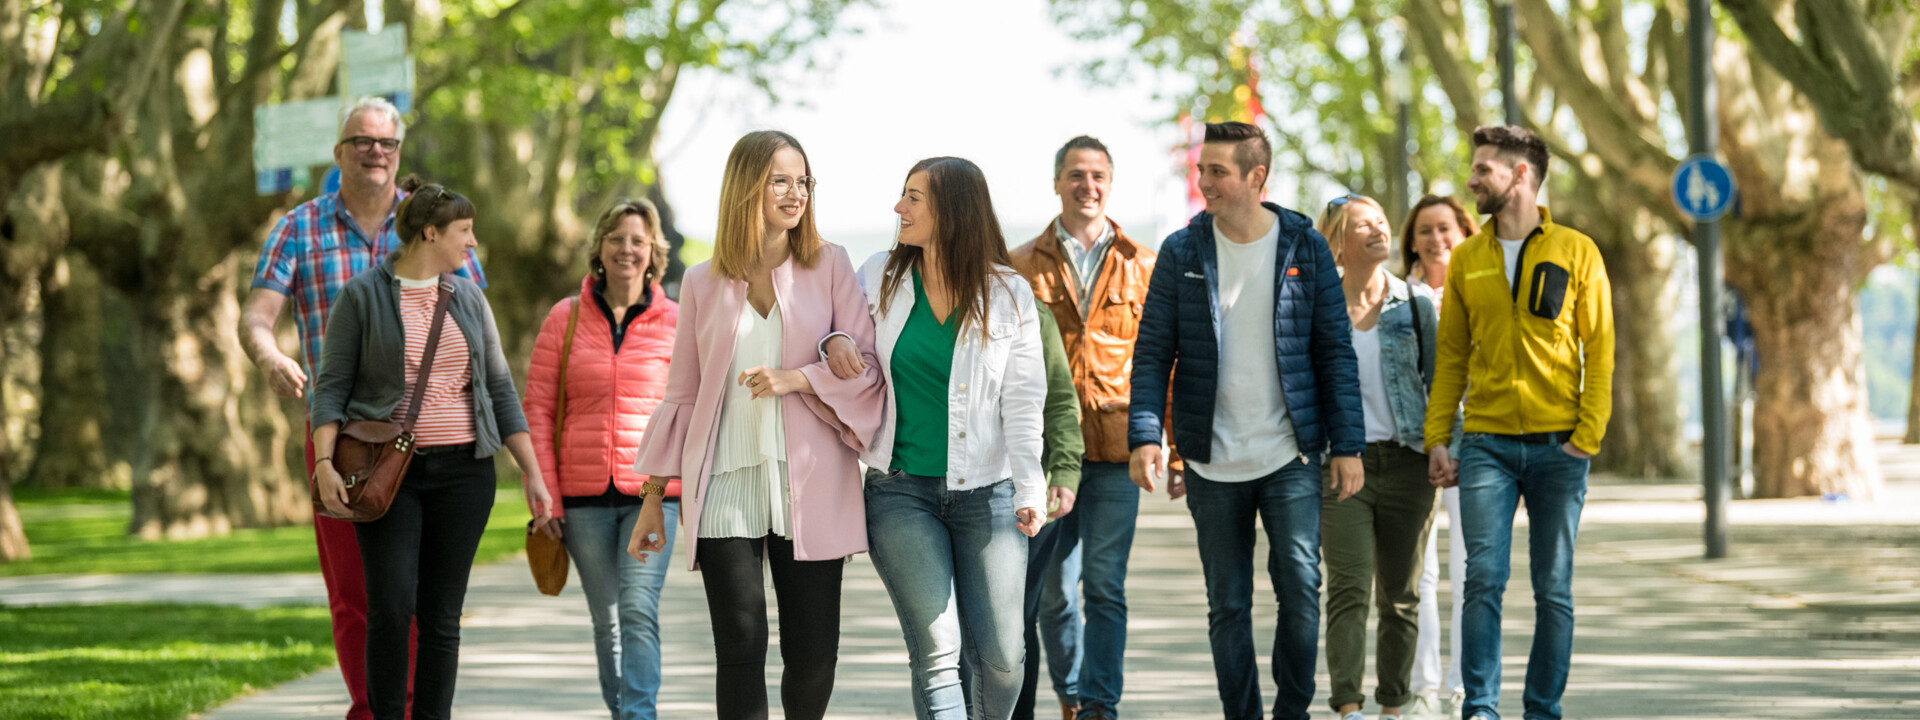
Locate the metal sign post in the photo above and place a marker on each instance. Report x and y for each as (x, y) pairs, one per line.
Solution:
(1704, 190)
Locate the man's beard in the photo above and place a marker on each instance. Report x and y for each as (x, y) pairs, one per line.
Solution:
(1495, 202)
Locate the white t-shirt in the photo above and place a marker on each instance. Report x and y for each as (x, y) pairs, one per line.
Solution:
(1252, 435)
(1511, 249)
(1373, 385)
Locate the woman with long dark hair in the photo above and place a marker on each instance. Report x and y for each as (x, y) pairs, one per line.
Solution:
(949, 514)
(761, 432)
(418, 556)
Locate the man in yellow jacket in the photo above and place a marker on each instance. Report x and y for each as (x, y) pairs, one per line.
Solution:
(1526, 335)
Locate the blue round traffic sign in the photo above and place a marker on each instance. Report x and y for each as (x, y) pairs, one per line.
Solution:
(1703, 188)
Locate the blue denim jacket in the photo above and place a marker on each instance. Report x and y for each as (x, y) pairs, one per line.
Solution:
(1406, 358)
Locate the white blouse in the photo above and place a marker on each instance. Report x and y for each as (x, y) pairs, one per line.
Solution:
(747, 494)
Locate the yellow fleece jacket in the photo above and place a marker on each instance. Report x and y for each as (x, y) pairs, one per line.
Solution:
(1535, 356)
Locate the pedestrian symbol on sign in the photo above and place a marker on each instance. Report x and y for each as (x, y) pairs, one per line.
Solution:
(1703, 188)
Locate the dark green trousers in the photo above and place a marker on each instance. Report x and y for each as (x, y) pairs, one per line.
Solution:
(1374, 542)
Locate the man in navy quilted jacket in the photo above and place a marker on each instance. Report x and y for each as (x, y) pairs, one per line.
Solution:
(1246, 318)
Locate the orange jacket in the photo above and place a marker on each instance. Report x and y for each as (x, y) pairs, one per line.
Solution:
(1100, 347)
(610, 396)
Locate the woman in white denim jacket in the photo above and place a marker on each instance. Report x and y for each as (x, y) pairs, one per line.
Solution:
(955, 485)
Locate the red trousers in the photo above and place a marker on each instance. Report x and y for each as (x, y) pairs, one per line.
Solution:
(347, 602)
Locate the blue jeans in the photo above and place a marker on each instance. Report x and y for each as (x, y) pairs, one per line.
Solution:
(952, 557)
(1060, 623)
(1496, 473)
(1107, 506)
(1288, 504)
(1041, 549)
(624, 598)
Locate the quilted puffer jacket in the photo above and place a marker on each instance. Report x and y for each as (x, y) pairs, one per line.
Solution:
(610, 395)
(1179, 342)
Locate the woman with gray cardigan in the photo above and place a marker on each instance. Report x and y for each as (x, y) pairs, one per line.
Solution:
(418, 556)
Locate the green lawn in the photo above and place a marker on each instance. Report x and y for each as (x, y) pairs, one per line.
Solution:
(84, 531)
(152, 662)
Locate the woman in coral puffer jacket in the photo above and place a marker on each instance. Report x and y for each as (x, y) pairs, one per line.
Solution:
(622, 329)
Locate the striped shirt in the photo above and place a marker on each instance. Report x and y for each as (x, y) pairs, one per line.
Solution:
(313, 251)
(446, 413)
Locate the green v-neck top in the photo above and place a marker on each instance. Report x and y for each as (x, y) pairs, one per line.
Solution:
(922, 366)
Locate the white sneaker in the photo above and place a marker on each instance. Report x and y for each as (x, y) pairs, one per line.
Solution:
(1425, 704)
(1459, 703)
(1355, 715)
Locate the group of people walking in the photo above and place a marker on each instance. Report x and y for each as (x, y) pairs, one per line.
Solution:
(1007, 406)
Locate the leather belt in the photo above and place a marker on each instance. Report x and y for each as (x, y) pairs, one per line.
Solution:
(1540, 438)
(437, 449)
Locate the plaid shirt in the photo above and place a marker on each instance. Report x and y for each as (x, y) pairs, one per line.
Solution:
(313, 251)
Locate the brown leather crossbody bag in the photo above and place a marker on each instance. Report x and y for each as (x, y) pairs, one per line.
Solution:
(372, 455)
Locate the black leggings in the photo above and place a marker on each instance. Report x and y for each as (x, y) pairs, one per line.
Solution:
(809, 596)
(417, 558)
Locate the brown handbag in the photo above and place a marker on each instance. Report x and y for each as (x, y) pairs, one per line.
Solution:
(547, 557)
(372, 455)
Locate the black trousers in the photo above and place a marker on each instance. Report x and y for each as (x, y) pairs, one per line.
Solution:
(809, 597)
(417, 559)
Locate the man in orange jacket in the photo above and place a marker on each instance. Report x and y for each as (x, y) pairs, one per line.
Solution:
(1094, 278)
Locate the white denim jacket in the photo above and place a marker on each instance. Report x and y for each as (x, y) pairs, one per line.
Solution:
(994, 395)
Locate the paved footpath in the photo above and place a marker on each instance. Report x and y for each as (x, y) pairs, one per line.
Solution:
(1817, 615)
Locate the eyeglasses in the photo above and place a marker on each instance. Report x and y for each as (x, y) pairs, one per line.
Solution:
(364, 143)
(783, 185)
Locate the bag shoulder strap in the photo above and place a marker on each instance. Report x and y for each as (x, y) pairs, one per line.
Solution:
(560, 396)
(1422, 309)
(426, 356)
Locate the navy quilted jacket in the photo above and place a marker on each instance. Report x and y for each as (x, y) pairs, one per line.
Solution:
(1180, 331)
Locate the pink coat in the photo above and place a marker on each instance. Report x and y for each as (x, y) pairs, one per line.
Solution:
(825, 432)
(610, 396)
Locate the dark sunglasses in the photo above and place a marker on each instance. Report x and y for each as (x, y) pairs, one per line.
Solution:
(1342, 200)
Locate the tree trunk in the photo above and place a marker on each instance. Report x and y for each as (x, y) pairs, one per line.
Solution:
(1800, 277)
(1913, 373)
(1643, 434)
(1797, 251)
(214, 439)
(675, 240)
(13, 537)
(72, 394)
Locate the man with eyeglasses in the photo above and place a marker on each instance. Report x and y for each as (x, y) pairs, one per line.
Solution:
(308, 257)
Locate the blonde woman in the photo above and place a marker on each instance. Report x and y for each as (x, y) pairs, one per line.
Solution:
(614, 338)
(1376, 537)
(760, 431)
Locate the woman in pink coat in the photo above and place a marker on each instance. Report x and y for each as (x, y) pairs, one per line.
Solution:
(763, 434)
(614, 338)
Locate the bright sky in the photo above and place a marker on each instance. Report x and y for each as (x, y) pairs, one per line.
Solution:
(993, 81)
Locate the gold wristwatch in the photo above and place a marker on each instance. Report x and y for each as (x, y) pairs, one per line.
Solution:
(652, 488)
